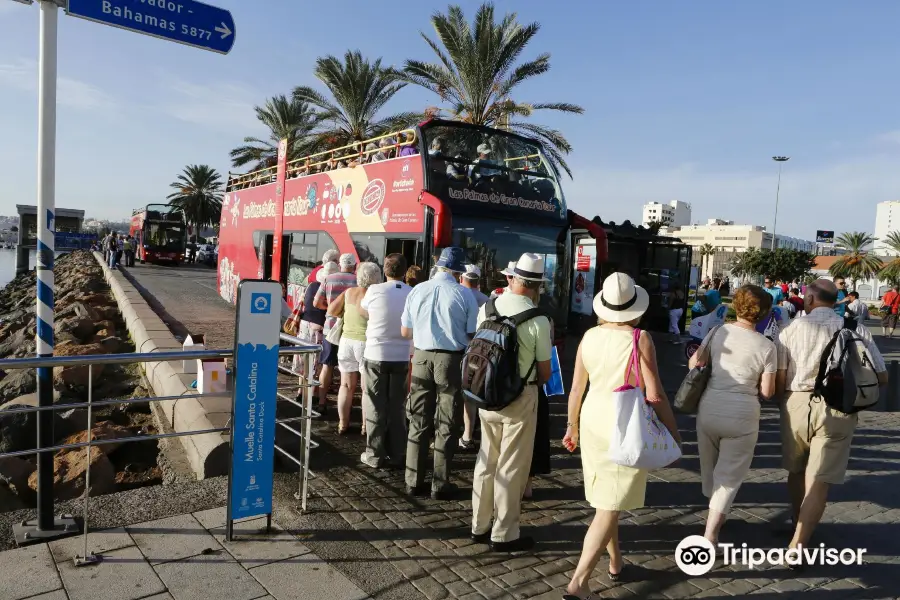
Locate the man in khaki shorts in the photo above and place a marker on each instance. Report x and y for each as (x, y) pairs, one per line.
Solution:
(815, 438)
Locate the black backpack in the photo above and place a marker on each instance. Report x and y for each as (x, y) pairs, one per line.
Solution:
(490, 366)
(847, 380)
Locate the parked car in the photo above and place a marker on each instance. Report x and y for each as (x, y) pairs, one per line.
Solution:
(208, 255)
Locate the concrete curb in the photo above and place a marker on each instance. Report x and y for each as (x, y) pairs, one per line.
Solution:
(207, 453)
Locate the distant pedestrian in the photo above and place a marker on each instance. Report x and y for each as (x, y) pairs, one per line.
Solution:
(353, 339)
(112, 249)
(414, 276)
(774, 290)
(507, 435)
(334, 285)
(312, 324)
(743, 366)
(815, 438)
(676, 310)
(508, 273)
(857, 312)
(890, 304)
(329, 256)
(128, 246)
(471, 280)
(440, 316)
(795, 299)
(840, 304)
(385, 367)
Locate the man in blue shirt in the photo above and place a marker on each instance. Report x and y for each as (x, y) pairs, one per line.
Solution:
(440, 316)
(840, 307)
(774, 291)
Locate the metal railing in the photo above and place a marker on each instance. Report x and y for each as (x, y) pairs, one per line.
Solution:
(325, 160)
(302, 399)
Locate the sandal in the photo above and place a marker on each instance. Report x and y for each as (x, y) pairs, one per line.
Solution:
(615, 576)
(342, 430)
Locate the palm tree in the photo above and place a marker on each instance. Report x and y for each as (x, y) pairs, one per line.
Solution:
(705, 250)
(857, 263)
(359, 90)
(198, 196)
(890, 272)
(477, 74)
(289, 119)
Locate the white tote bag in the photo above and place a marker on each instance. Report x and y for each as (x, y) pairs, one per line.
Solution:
(638, 439)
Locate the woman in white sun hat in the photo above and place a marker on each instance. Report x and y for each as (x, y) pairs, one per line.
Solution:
(603, 358)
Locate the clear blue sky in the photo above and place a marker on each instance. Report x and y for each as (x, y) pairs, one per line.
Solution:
(685, 100)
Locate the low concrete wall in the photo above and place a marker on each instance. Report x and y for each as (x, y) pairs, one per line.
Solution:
(207, 453)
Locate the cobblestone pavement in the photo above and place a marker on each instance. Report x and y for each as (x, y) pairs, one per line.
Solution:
(427, 541)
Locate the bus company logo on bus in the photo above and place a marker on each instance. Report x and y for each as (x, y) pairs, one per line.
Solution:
(260, 210)
(372, 197)
(495, 198)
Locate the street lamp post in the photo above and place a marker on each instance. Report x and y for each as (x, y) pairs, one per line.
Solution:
(780, 160)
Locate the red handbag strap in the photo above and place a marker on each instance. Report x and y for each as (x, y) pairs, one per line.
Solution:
(634, 364)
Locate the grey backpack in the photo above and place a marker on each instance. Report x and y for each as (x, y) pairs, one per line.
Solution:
(847, 380)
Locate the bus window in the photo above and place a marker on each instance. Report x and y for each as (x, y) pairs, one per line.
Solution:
(369, 247)
(406, 247)
(304, 249)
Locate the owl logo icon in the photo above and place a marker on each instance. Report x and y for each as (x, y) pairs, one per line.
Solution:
(384, 216)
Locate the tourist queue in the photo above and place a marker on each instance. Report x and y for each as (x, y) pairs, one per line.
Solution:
(426, 338)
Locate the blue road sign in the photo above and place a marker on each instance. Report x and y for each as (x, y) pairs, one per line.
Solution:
(185, 21)
(255, 395)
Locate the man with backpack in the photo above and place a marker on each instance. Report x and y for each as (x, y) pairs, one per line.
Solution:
(827, 373)
(504, 364)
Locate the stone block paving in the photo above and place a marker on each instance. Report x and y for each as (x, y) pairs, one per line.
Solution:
(427, 541)
(184, 557)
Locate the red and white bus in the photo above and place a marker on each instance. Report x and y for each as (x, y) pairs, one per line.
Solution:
(448, 183)
(159, 234)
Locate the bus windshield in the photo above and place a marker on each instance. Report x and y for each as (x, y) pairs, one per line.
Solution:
(492, 170)
(492, 244)
(162, 236)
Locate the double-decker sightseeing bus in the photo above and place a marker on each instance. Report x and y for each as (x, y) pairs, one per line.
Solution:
(413, 192)
(159, 234)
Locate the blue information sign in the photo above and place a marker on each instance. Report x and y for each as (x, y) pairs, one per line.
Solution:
(255, 380)
(184, 21)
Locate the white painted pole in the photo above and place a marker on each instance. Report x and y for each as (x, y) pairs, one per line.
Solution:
(46, 208)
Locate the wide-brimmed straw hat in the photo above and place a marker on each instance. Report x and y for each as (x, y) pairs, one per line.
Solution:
(510, 270)
(530, 266)
(621, 300)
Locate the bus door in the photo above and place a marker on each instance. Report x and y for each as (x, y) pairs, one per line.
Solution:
(411, 249)
(266, 251)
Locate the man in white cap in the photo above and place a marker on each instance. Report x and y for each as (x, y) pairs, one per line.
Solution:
(507, 435)
(484, 167)
(509, 271)
(470, 280)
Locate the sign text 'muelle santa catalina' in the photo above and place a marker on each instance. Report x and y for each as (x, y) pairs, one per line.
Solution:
(255, 380)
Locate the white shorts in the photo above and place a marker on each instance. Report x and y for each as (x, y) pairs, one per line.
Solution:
(350, 355)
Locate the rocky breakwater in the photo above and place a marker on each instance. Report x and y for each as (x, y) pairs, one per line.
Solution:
(87, 322)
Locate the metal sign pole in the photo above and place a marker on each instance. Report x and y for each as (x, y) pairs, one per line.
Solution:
(46, 205)
(46, 526)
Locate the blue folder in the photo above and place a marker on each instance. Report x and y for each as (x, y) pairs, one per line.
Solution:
(554, 387)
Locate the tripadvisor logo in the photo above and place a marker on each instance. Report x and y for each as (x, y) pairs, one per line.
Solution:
(695, 555)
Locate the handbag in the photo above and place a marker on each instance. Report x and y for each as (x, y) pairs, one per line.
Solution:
(638, 439)
(687, 399)
(292, 325)
(334, 334)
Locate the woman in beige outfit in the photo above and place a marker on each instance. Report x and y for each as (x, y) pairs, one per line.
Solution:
(743, 364)
(603, 358)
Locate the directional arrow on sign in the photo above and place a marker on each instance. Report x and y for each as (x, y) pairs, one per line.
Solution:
(223, 30)
(184, 21)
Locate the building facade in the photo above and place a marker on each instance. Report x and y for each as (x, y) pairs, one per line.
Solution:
(673, 214)
(728, 240)
(887, 220)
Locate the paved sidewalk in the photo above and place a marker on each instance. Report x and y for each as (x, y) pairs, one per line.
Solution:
(184, 557)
